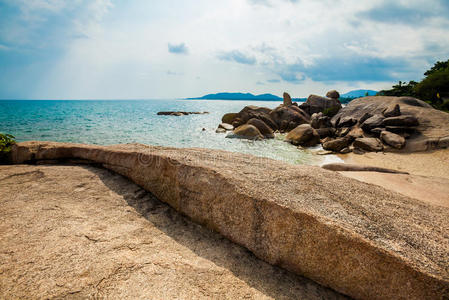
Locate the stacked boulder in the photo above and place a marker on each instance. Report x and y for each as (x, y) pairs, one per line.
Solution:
(370, 129)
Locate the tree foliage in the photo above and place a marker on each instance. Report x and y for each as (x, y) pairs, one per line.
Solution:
(6, 142)
(434, 88)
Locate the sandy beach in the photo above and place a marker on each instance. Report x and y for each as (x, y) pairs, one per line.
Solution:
(428, 180)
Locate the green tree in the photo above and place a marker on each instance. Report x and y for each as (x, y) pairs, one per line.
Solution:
(434, 88)
(401, 89)
(439, 65)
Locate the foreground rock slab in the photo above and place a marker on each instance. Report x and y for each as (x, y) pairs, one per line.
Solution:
(356, 238)
(84, 232)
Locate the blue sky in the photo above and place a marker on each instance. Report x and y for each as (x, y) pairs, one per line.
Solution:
(108, 49)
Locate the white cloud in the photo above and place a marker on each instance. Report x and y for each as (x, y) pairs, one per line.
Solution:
(233, 45)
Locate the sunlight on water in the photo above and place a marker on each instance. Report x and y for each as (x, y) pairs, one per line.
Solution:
(117, 122)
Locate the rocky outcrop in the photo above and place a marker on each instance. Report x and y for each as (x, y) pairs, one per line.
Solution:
(359, 239)
(303, 135)
(181, 113)
(416, 121)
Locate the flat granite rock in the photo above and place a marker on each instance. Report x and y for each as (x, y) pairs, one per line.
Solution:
(82, 232)
(358, 239)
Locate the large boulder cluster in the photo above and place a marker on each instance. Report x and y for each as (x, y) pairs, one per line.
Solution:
(365, 124)
(254, 122)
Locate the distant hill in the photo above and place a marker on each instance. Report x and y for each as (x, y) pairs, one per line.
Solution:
(239, 96)
(358, 94)
(270, 97)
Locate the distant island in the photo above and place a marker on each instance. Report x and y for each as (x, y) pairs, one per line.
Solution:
(359, 93)
(239, 96)
(270, 97)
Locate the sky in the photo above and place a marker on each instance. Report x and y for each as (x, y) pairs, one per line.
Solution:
(148, 49)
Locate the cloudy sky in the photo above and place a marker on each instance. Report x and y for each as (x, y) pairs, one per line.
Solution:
(117, 49)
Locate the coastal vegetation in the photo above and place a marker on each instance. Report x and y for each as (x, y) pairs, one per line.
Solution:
(434, 88)
(6, 142)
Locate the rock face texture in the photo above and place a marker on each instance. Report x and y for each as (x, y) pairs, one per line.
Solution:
(287, 99)
(303, 135)
(246, 131)
(316, 104)
(264, 129)
(333, 94)
(361, 240)
(81, 232)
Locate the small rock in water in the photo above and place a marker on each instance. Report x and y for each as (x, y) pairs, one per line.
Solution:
(181, 113)
(324, 152)
(226, 126)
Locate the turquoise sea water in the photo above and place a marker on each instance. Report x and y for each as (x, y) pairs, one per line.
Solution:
(107, 122)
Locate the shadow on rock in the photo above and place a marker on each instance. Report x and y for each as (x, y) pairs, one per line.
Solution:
(270, 280)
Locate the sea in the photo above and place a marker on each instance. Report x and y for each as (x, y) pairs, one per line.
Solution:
(107, 122)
